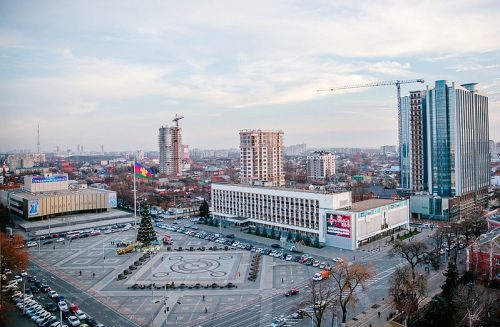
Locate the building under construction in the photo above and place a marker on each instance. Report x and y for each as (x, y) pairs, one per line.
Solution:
(170, 143)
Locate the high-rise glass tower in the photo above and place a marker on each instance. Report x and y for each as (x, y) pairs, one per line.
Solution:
(444, 146)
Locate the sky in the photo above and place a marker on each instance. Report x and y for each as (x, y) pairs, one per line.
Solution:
(113, 72)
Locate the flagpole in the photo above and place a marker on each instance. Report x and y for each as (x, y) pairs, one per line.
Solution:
(135, 198)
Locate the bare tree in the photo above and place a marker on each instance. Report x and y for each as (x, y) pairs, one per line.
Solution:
(413, 252)
(407, 291)
(321, 297)
(349, 277)
(474, 304)
(437, 238)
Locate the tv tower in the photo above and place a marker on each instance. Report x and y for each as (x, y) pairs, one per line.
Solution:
(38, 140)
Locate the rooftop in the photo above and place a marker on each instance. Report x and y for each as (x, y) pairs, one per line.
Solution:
(371, 203)
(276, 188)
(34, 196)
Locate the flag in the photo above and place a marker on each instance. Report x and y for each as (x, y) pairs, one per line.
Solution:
(142, 171)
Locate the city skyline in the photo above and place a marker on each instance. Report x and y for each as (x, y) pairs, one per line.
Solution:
(93, 73)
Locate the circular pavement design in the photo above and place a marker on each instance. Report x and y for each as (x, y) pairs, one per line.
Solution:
(195, 266)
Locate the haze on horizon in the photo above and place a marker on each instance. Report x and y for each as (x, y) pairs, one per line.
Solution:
(113, 72)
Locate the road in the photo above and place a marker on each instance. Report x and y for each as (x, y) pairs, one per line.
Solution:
(86, 302)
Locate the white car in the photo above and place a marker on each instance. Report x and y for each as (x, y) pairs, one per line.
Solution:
(288, 257)
(31, 244)
(42, 317)
(23, 273)
(63, 306)
(73, 321)
(18, 278)
(52, 294)
(60, 240)
(80, 315)
(337, 260)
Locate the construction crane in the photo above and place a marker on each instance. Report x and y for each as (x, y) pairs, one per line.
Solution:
(176, 120)
(384, 83)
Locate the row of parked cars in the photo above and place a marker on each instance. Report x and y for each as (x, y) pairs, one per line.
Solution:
(45, 313)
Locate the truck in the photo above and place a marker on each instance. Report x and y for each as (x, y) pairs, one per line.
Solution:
(324, 274)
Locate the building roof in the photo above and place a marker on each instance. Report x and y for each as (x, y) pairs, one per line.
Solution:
(38, 195)
(286, 189)
(371, 203)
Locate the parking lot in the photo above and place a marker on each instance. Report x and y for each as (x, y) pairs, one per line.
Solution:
(202, 278)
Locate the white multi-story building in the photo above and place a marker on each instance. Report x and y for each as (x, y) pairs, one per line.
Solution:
(320, 164)
(261, 157)
(286, 210)
(169, 141)
(330, 217)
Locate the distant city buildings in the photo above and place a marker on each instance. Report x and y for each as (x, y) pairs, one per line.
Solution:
(445, 149)
(389, 149)
(261, 157)
(320, 165)
(295, 150)
(169, 141)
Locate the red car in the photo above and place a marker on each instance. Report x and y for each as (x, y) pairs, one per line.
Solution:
(291, 292)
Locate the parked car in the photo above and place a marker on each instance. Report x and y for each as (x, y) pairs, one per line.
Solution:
(52, 294)
(230, 236)
(80, 315)
(51, 307)
(63, 306)
(73, 321)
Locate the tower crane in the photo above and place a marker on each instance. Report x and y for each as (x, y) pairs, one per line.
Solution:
(384, 83)
(176, 120)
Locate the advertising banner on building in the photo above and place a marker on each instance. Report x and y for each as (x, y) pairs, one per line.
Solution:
(338, 225)
(49, 179)
(33, 208)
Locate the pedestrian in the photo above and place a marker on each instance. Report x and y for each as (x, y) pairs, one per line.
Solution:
(104, 258)
(161, 258)
(206, 310)
(282, 280)
(80, 272)
(239, 274)
(54, 247)
(379, 314)
(93, 275)
(203, 297)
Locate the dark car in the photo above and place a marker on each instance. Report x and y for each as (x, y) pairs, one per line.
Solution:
(38, 283)
(297, 258)
(47, 242)
(291, 292)
(51, 307)
(34, 289)
(32, 279)
(50, 321)
(84, 235)
(230, 235)
(91, 322)
(275, 246)
(45, 288)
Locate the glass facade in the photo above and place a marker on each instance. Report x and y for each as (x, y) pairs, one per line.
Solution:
(458, 134)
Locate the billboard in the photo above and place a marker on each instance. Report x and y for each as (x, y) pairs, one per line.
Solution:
(49, 179)
(112, 200)
(33, 208)
(338, 225)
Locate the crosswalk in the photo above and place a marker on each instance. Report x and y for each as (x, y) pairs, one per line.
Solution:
(289, 321)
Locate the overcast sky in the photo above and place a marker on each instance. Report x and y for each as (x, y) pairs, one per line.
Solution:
(113, 72)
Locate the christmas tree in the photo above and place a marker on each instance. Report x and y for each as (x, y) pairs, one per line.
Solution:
(146, 233)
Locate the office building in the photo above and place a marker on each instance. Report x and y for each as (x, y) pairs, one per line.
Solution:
(389, 149)
(169, 141)
(261, 157)
(445, 150)
(320, 165)
(330, 218)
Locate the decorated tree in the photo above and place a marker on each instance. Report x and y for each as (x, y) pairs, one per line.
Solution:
(146, 233)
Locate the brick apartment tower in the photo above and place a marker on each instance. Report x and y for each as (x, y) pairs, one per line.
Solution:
(261, 157)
